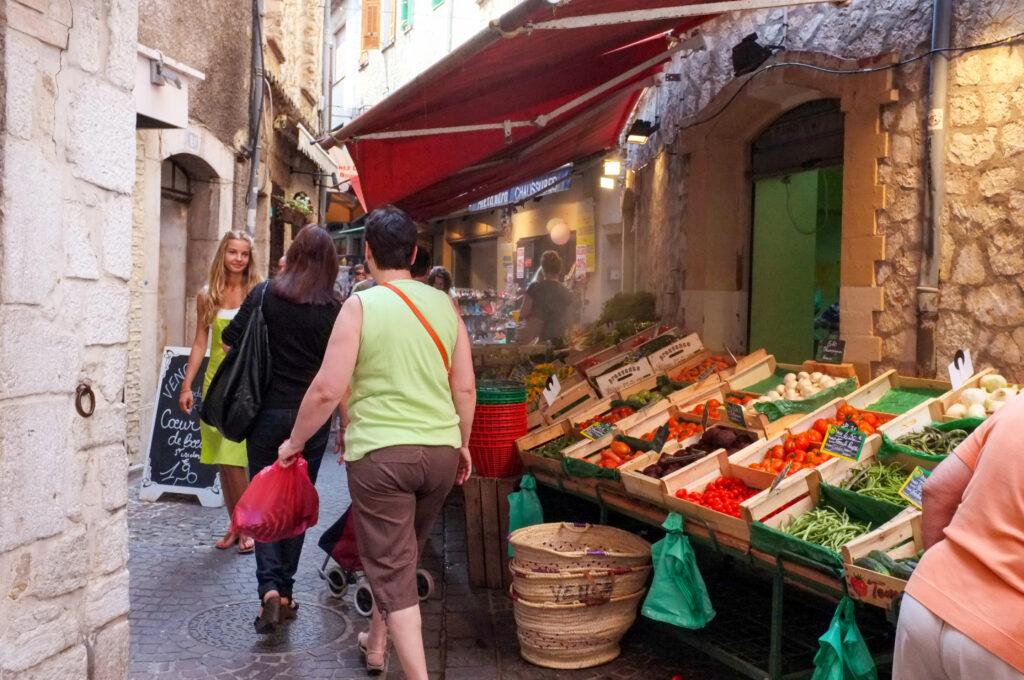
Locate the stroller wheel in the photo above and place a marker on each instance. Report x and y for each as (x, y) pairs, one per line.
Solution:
(424, 584)
(337, 582)
(363, 599)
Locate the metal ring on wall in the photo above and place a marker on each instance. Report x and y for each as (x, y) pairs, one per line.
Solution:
(83, 392)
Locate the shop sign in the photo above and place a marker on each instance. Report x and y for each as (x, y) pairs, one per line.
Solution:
(585, 234)
(520, 263)
(551, 183)
(581, 258)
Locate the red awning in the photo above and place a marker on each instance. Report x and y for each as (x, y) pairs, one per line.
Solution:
(515, 101)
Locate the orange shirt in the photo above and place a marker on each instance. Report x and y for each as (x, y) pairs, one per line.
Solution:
(974, 578)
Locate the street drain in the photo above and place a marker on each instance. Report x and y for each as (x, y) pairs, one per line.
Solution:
(230, 627)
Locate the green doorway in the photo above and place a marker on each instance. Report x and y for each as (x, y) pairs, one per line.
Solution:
(794, 283)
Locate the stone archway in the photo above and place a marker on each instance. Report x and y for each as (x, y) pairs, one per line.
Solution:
(713, 160)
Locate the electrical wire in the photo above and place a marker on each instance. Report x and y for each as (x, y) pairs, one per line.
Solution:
(1009, 40)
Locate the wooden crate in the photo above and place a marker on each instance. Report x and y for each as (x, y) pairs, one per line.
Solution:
(675, 372)
(576, 395)
(630, 374)
(868, 394)
(696, 477)
(486, 506)
(539, 437)
(647, 488)
(678, 352)
(745, 363)
(900, 537)
(913, 420)
(745, 374)
(953, 397)
(801, 490)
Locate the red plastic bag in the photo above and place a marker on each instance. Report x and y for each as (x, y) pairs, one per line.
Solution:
(279, 503)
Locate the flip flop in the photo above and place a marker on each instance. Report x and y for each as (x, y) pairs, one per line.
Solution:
(227, 541)
(269, 616)
(371, 668)
(246, 545)
(290, 611)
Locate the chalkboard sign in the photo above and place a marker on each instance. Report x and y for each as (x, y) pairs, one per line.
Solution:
(913, 488)
(597, 430)
(172, 457)
(832, 351)
(844, 442)
(735, 414)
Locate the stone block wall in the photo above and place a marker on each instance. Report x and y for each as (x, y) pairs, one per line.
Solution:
(67, 155)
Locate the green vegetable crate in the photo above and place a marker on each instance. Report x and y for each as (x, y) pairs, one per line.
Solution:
(531, 448)
(900, 538)
(896, 394)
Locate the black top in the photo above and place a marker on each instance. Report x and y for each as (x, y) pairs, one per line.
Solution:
(298, 339)
(551, 301)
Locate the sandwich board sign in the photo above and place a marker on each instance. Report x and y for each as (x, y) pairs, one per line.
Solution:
(172, 452)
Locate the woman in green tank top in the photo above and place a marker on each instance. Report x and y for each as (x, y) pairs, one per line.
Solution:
(410, 420)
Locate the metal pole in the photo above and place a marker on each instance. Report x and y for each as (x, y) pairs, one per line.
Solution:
(325, 113)
(928, 282)
(256, 116)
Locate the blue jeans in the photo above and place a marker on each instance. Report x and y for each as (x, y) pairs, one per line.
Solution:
(277, 562)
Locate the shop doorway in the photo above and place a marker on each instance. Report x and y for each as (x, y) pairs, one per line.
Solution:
(475, 264)
(536, 246)
(797, 232)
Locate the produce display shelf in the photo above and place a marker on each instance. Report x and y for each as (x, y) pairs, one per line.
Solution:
(800, 573)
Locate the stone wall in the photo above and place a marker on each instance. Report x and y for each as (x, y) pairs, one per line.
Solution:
(68, 149)
(982, 305)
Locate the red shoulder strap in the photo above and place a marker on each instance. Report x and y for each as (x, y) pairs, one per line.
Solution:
(426, 324)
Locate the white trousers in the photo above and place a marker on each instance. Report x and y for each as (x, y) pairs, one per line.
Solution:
(928, 648)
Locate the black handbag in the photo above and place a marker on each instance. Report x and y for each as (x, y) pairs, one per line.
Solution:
(236, 391)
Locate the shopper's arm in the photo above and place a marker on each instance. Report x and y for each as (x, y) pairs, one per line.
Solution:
(195, 357)
(232, 333)
(941, 497)
(331, 381)
(463, 386)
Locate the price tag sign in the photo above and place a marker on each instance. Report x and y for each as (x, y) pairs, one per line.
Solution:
(735, 414)
(832, 351)
(962, 368)
(844, 442)
(913, 488)
(597, 430)
(704, 413)
(779, 478)
(553, 389)
(706, 373)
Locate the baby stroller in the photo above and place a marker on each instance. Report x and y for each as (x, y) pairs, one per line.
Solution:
(339, 542)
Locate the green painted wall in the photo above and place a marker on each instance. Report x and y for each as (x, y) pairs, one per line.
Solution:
(796, 253)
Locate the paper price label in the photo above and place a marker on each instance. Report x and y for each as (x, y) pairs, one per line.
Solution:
(735, 414)
(553, 389)
(778, 479)
(708, 371)
(962, 368)
(705, 413)
(597, 430)
(844, 442)
(913, 488)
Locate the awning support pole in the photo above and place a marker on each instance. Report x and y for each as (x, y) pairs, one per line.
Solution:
(637, 16)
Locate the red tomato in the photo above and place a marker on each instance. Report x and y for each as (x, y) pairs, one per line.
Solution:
(802, 441)
(814, 436)
(790, 445)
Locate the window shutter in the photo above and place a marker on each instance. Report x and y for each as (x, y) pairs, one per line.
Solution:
(371, 25)
(406, 14)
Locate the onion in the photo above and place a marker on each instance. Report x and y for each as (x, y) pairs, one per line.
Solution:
(957, 411)
(816, 376)
(973, 395)
(976, 411)
(993, 382)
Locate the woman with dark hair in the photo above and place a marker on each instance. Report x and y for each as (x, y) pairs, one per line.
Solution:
(440, 278)
(409, 423)
(547, 303)
(300, 307)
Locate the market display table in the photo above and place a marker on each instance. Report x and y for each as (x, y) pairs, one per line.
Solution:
(796, 571)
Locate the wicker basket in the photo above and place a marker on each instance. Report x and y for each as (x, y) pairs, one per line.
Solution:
(563, 546)
(573, 635)
(565, 587)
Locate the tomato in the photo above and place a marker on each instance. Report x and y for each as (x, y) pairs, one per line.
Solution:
(621, 449)
(814, 436)
(790, 445)
(821, 426)
(802, 441)
(714, 404)
(845, 412)
(870, 418)
(866, 429)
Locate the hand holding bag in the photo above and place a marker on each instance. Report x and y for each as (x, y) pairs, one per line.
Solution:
(237, 389)
(279, 503)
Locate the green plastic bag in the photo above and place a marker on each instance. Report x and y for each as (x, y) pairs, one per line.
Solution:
(677, 595)
(842, 652)
(890, 448)
(575, 467)
(784, 407)
(524, 508)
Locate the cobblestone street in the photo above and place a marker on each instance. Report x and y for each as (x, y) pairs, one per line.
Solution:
(192, 608)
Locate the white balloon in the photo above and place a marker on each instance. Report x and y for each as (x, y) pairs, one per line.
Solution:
(560, 234)
(554, 222)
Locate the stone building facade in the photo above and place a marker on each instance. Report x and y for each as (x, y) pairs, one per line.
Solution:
(883, 207)
(67, 150)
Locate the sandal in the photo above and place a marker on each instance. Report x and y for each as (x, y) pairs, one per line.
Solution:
(269, 615)
(245, 545)
(229, 540)
(289, 611)
(372, 669)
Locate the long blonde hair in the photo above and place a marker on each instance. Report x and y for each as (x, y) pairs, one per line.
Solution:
(218, 275)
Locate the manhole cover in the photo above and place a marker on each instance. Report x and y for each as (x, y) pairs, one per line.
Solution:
(230, 627)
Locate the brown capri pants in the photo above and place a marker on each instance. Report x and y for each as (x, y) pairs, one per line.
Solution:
(397, 493)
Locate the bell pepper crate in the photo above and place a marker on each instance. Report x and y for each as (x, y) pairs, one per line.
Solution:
(900, 539)
(703, 364)
(527, 445)
(643, 487)
(830, 410)
(896, 394)
(721, 392)
(953, 397)
(756, 452)
(771, 513)
(695, 479)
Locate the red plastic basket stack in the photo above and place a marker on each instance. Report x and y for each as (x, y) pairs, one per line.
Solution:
(499, 421)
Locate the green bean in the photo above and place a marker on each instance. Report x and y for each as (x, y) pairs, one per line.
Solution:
(933, 441)
(879, 481)
(826, 527)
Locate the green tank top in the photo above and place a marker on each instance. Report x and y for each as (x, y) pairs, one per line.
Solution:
(400, 391)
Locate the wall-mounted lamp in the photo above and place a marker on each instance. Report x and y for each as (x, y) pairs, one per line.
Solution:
(641, 131)
(748, 54)
(612, 168)
(607, 182)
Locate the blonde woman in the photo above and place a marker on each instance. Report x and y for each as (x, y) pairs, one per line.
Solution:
(232, 276)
